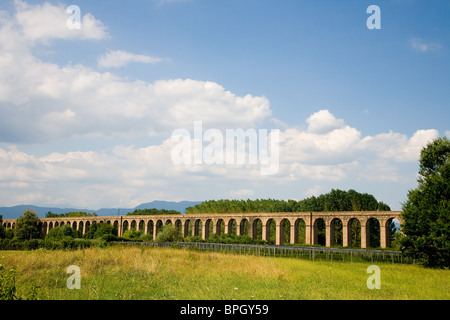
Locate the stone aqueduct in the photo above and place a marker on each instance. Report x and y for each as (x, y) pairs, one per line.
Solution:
(203, 224)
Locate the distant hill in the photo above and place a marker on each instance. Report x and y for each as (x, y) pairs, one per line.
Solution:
(17, 211)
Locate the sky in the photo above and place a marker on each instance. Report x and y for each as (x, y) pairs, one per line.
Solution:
(88, 112)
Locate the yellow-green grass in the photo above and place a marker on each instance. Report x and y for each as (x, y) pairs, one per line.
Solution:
(165, 273)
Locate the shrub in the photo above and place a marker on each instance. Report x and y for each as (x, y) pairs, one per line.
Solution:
(63, 232)
(97, 230)
(166, 234)
(7, 283)
(132, 234)
(146, 238)
(109, 237)
(32, 244)
(9, 234)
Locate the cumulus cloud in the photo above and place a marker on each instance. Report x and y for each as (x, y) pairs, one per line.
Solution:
(398, 146)
(327, 140)
(119, 58)
(123, 175)
(331, 141)
(300, 171)
(333, 151)
(55, 102)
(44, 22)
(323, 121)
(73, 176)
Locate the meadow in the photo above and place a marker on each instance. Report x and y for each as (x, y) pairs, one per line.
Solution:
(125, 273)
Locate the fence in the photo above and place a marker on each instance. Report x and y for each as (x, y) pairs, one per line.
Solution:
(301, 252)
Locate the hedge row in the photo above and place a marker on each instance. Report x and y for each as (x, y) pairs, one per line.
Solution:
(33, 244)
(227, 239)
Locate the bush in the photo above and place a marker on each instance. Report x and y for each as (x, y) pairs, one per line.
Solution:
(63, 232)
(9, 234)
(146, 238)
(193, 239)
(98, 230)
(7, 283)
(83, 243)
(66, 243)
(32, 244)
(232, 238)
(166, 234)
(109, 237)
(132, 234)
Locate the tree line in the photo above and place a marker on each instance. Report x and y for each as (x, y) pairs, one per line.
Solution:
(73, 214)
(152, 212)
(335, 200)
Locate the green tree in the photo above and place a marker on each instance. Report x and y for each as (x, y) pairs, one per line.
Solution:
(167, 234)
(27, 226)
(73, 214)
(335, 200)
(63, 232)
(426, 212)
(99, 230)
(152, 212)
(132, 234)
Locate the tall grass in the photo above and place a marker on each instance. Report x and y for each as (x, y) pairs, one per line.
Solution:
(163, 273)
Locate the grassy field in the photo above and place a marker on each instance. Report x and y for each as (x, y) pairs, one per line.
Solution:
(165, 273)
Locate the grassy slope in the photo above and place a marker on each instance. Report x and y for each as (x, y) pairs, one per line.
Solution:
(137, 273)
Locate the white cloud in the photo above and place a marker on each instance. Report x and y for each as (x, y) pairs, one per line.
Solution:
(423, 46)
(125, 175)
(398, 146)
(44, 22)
(334, 151)
(300, 171)
(331, 147)
(55, 102)
(323, 121)
(119, 58)
(379, 170)
(447, 133)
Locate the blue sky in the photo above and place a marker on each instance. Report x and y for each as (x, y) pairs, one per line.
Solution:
(97, 131)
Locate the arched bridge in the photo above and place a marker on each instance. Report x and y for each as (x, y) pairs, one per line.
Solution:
(325, 228)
